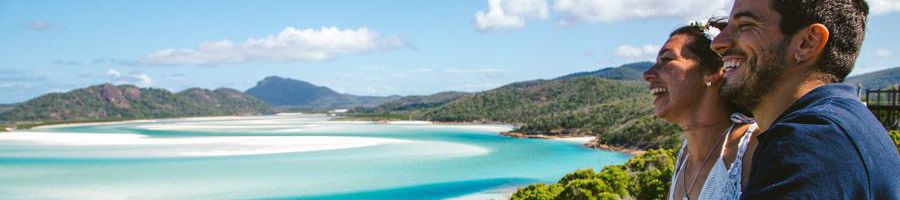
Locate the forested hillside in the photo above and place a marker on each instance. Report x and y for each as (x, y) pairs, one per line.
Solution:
(877, 80)
(108, 102)
(619, 112)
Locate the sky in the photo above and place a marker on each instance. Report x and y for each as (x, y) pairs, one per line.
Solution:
(361, 47)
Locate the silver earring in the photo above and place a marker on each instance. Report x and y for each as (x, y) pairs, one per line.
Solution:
(799, 60)
(708, 84)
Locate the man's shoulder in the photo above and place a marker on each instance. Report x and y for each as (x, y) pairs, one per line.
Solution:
(833, 140)
(832, 115)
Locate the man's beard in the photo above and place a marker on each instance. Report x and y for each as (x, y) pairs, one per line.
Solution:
(761, 80)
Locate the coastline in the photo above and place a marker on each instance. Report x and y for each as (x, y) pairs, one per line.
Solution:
(585, 140)
(589, 143)
(87, 123)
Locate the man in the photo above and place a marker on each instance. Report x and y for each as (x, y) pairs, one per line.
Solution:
(783, 61)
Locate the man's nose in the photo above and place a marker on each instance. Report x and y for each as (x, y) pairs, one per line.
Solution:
(722, 42)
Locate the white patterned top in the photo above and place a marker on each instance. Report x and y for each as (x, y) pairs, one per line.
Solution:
(722, 182)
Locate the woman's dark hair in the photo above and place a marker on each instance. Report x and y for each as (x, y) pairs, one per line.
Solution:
(699, 43)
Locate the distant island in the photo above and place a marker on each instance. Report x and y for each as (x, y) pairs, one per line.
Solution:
(287, 93)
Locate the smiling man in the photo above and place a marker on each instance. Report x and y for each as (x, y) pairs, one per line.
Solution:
(784, 60)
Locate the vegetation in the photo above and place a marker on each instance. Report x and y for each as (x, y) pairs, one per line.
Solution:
(6, 107)
(111, 102)
(374, 117)
(304, 96)
(895, 134)
(645, 176)
(631, 71)
(411, 103)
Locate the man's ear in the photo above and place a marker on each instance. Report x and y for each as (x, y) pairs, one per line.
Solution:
(812, 43)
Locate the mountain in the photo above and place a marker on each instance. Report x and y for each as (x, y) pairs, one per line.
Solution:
(631, 71)
(877, 80)
(286, 92)
(107, 101)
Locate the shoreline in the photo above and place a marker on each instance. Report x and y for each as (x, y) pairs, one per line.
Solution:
(589, 144)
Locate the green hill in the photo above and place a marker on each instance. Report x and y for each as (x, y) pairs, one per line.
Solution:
(877, 80)
(109, 102)
(6, 107)
(410, 103)
(631, 71)
(618, 111)
(286, 92)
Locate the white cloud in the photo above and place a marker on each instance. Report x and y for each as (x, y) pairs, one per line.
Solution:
(881, 7)
(290, 44)
(884, 53)
(510, 14)
(139, 79)
(38, 25)
(113, 73)
(633, 53)
(619, 10)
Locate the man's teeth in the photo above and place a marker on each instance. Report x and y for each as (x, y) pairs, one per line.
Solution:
(731, 64)
(655, 91)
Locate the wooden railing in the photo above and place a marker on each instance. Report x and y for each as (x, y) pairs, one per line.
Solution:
(885, 105)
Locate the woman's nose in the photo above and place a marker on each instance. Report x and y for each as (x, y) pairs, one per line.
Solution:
(650, 74)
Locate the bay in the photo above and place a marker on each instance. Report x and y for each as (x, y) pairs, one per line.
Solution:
(280, 157)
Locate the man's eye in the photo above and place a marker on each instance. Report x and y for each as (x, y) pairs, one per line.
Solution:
(744, 27)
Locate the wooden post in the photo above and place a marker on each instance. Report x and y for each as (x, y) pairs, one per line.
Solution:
(895, 110)
(867, 97)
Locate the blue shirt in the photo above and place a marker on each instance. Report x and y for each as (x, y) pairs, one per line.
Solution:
(826, 145)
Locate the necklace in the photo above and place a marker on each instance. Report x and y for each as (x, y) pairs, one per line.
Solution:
(687, 191)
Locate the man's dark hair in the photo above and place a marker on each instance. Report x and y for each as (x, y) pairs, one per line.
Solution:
(846, 22)
(699, 42)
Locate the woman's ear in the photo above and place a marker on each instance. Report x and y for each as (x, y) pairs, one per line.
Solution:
(714, 77)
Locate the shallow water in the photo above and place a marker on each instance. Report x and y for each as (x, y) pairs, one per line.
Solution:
(266, 157)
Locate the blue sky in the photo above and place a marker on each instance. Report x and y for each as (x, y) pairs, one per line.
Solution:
(353, 46)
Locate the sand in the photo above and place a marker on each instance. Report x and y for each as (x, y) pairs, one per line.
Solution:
(221, 146)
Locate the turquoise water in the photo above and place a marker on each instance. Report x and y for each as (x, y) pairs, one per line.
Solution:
(413, 162)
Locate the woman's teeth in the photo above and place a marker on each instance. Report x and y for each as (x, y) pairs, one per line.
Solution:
(657, 91)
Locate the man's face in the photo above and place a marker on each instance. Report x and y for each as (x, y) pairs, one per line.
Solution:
(754, 51)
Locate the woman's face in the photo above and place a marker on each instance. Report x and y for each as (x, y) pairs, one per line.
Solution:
(676, 80)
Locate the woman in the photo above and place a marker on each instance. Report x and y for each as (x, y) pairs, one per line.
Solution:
(715, 156)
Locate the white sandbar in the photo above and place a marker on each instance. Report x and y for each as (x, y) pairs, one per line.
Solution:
(212, 146)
